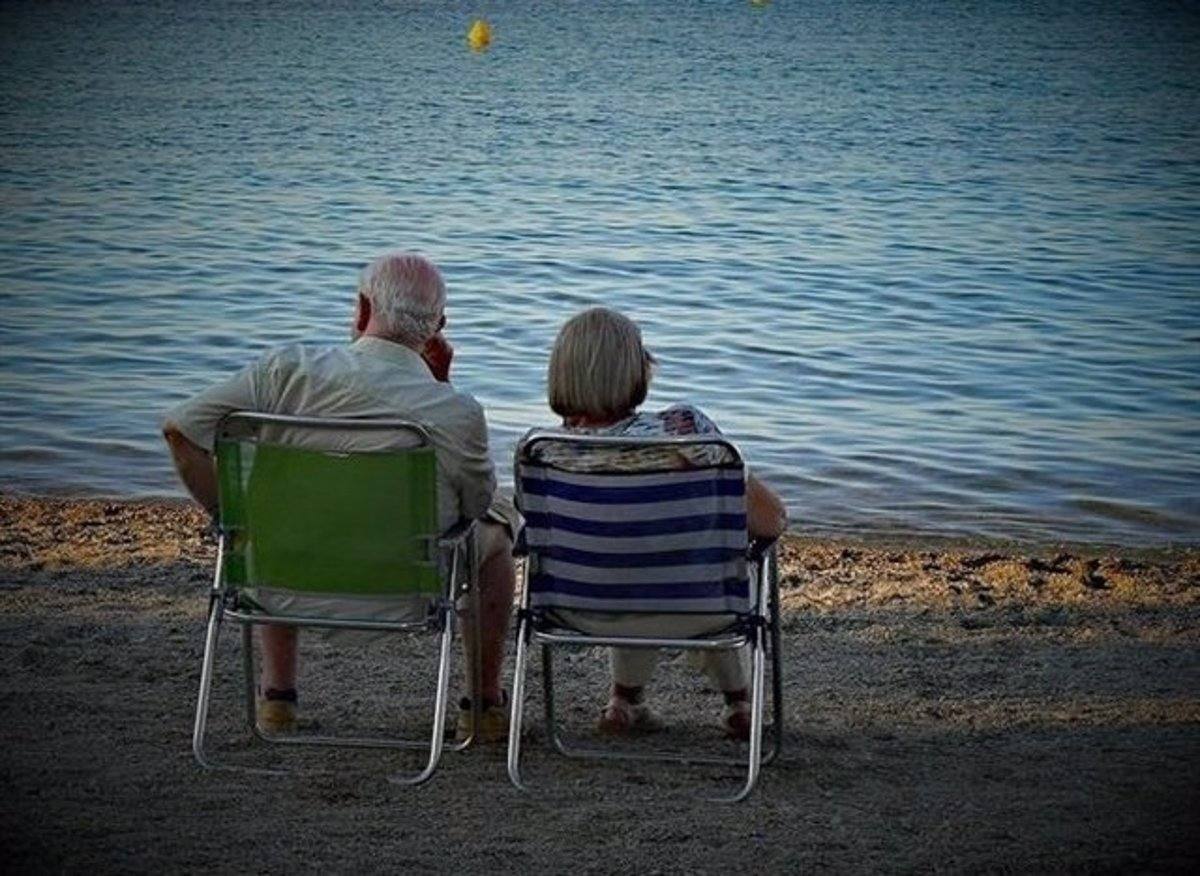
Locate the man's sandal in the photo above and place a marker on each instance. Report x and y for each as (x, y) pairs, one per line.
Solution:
(275, 711)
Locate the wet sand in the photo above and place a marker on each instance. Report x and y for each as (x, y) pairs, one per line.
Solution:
(948, 707)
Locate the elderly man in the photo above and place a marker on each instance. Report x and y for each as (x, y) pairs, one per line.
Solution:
(398, 366)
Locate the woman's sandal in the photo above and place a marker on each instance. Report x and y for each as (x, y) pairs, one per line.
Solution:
(736, 720)
(621, 717)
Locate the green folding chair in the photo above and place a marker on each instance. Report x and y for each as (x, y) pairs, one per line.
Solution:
(323, 523)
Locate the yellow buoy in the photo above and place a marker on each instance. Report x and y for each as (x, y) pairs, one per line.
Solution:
(759, 2)
(479, 37)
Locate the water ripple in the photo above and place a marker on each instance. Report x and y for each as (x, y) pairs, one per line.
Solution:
(936, 273)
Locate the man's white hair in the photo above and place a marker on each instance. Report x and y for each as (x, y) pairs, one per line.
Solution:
(407, 294)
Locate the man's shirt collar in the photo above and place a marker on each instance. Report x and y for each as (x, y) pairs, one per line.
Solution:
(373, 345)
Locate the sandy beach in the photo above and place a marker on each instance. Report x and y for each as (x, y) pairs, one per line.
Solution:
(949, 707)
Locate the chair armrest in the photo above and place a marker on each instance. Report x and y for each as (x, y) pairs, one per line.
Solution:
(456, 534)
(760, 547)
(520, 545)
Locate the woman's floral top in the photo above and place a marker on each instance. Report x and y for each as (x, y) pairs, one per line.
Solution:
(674, 421)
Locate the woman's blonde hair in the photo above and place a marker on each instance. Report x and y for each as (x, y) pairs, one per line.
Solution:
(598, 367)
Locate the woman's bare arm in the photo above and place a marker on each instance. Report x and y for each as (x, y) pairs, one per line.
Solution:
(766, 517)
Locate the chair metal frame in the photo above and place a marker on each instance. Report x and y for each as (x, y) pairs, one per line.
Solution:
(759, 628)
(224, 604)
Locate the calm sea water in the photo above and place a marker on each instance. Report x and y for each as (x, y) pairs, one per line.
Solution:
(936, 265)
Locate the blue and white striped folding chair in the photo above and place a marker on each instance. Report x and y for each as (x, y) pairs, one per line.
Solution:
(667, 538)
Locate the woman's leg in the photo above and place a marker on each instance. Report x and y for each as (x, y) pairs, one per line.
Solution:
(632, 668)
(729, 670)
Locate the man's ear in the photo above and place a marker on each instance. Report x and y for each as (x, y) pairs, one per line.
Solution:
(362, 313)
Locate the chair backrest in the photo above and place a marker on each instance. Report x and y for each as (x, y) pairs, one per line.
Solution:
(330, 522)
(657, 539)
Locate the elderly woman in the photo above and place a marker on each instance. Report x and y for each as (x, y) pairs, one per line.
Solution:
(598, 377)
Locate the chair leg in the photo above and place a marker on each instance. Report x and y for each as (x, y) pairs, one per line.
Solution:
(215, 614)
(551, 704)
(756, 722)
(518, 705)
(248, 673)
(772, 571)
(476, 669)
(215, 617)
(776, 689)
(474, 647)
(441, 699)
(770, 752)
(765, 635)
(199, 732)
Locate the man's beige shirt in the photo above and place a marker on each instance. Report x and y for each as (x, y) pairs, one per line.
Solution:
(371, 378)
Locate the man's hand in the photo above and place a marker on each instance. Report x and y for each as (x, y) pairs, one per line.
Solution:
(437, 354)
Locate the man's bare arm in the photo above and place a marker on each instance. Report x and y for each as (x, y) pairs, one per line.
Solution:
(195, 466)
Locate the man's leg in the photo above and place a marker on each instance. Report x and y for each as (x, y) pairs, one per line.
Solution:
(276, 708)
(278, 657)
(496, 581)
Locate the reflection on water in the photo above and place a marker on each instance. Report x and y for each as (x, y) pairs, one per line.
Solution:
(935, 268)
